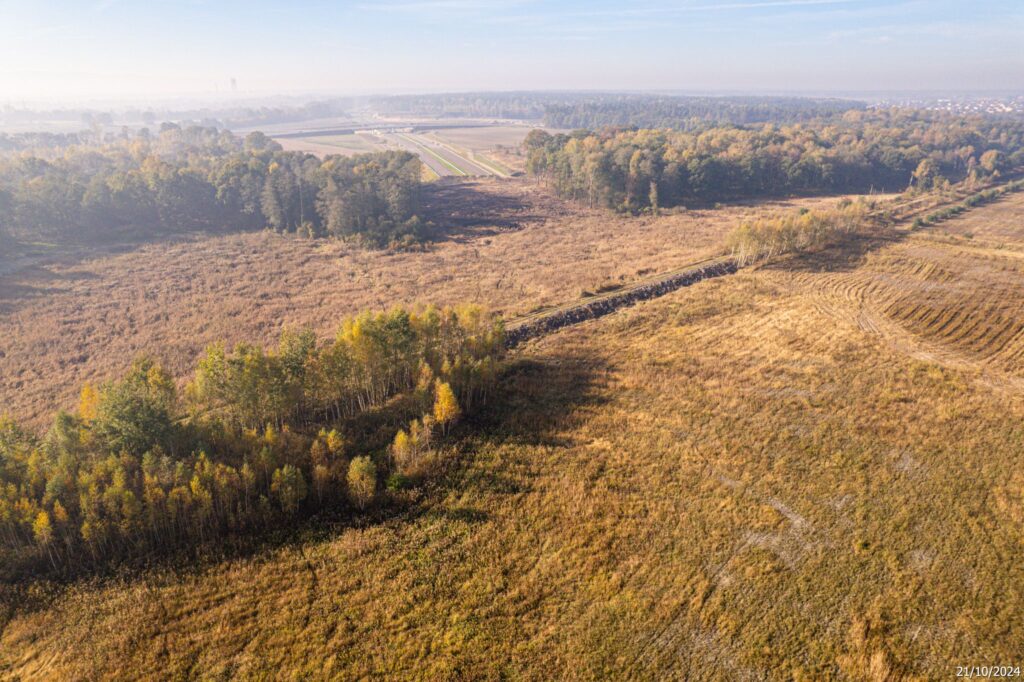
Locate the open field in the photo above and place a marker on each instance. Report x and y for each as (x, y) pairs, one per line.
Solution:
(439, 157)
(347, 145)
(508, 246)
(442, 159)
(788, 473)
(483, 160)
(943, 303)
(431, 159)
(446, 151)
(311, 125)
(484, 138)
(498, 144)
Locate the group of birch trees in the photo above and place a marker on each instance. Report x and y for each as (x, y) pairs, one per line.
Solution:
(256, 437)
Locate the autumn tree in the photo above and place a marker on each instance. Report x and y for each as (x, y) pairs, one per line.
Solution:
(992, 161)
(136, 413)
(634, 170)
(289, 488)
(446, 405)
(362, 481)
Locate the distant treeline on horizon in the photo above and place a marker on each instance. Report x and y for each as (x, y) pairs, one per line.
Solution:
(566, 110)
(553, 109)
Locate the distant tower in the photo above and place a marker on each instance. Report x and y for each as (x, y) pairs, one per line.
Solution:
(234, 85)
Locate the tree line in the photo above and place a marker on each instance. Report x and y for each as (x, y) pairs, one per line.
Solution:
(257, 437)
(689, 113)
(184, 179)
(598, 110)
(647, 169)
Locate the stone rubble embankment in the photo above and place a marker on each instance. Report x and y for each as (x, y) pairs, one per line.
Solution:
(587, 311)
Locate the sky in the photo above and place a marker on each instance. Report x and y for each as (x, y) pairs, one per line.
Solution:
(143, 50)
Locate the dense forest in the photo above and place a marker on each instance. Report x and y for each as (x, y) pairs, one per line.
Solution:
(256, 437)
(184, 179)
(634, 170)
(597, 110)
(18, 142)
(231, 116)
(510, 105)
(689, 113)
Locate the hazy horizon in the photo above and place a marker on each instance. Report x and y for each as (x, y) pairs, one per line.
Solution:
(130, 51)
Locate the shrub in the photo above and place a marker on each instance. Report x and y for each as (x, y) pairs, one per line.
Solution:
(768, 237)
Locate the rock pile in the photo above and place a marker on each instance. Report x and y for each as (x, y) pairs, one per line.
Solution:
(588, 311)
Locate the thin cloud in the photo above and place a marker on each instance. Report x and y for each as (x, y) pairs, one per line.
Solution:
(443, 6)
(759, 5)
(684, 9)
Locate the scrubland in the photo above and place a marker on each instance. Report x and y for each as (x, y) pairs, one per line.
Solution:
(505, 245)
(808, 470)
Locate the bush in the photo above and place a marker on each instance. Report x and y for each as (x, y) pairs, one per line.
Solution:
(397, 482)
(767, 237)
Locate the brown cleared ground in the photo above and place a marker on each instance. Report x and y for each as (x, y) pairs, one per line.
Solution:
(1001, 224)
(940, 302)
(510, 247)
(772, 475)
(941, 295)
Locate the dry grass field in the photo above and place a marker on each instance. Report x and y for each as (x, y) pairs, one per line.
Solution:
(507, 245)
(999, 224)
(804, 471)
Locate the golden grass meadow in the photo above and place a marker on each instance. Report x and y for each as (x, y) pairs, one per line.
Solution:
(808, 470)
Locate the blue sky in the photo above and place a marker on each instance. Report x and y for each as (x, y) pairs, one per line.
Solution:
(67, 49)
